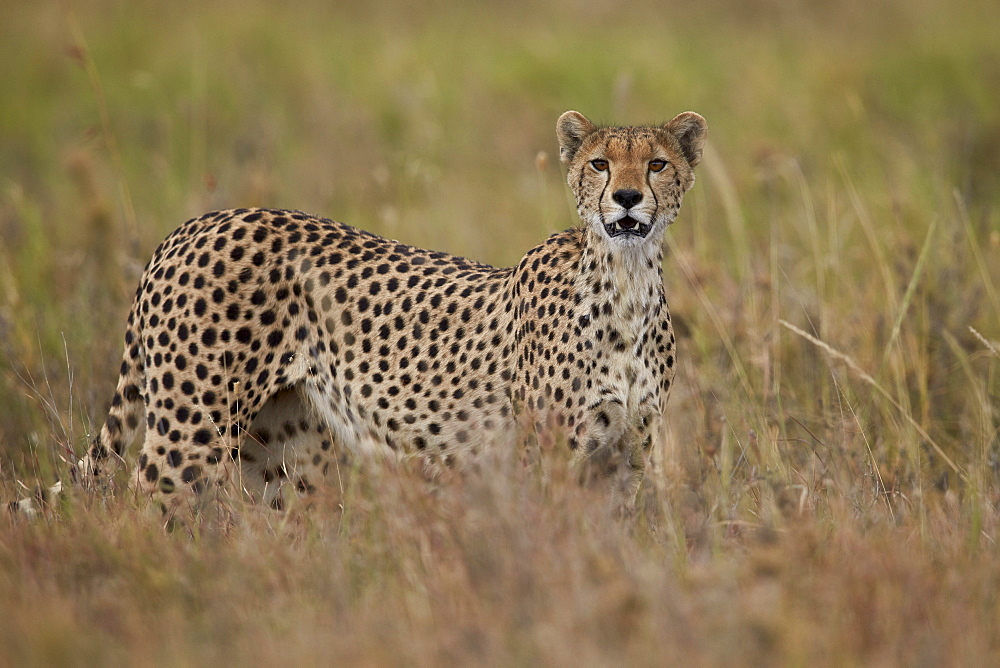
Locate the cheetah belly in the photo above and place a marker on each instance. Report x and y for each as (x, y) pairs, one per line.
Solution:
(421, 372)
(443, 423)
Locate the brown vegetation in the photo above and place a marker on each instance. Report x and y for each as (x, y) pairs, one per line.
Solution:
(827, 491)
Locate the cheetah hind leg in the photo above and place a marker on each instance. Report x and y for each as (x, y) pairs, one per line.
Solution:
(288, 451)
(285, 450)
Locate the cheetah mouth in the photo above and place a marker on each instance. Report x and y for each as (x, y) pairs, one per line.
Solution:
(627, 226)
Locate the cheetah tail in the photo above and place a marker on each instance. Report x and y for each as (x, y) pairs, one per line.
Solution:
(120, 427)
(125, 415)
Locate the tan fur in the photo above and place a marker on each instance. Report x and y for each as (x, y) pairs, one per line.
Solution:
(262, 342)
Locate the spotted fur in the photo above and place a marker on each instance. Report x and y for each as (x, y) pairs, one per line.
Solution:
(262, 342)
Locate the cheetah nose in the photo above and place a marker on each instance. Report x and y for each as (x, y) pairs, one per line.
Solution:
(627, 198)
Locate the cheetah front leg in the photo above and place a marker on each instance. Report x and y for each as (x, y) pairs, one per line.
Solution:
(613, 446)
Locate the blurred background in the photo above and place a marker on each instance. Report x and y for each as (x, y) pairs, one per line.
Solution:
(850, 189)
(828, 484)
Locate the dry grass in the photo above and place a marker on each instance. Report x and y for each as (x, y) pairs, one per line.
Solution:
(827, 489)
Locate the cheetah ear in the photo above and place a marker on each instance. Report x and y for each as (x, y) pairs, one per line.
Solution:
(690, 129)
(571, 129)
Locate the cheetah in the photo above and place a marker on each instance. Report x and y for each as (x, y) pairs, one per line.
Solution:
(262, 342)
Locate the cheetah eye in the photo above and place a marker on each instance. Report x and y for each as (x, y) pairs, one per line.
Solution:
(657, 165)
(599, 165)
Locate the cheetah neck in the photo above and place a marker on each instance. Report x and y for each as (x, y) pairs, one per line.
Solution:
(623, 283)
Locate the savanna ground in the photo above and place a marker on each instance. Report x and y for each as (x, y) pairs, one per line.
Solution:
(827, 490)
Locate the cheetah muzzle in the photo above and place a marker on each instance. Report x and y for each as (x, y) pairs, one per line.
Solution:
(629, 226)
(264, 345)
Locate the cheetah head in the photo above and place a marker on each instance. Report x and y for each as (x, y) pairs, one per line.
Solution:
(629, 181)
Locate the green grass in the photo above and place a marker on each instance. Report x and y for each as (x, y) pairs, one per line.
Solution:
(827, 488)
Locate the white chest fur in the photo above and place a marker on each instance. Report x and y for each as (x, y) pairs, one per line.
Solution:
(620, 292)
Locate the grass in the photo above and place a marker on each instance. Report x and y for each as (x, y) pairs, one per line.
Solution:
(827, 487)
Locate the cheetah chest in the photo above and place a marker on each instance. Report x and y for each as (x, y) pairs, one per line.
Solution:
(620, 312)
